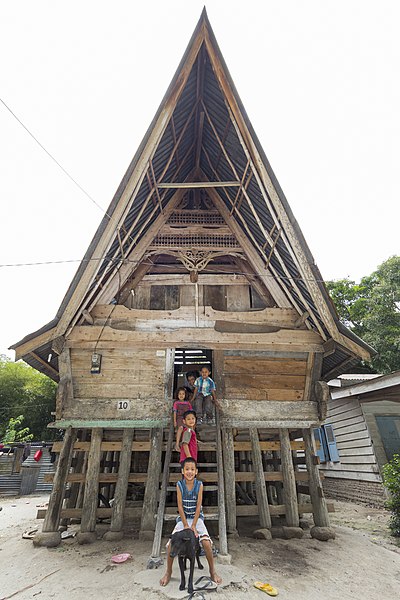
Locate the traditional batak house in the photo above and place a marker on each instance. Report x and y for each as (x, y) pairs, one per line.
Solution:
(198, 254)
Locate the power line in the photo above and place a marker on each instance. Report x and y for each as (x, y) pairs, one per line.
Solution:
(127, 260)
(54, 159)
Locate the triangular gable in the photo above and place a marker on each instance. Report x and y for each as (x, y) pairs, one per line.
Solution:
(201, 134)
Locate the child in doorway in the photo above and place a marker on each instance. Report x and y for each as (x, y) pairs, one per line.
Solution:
(204, 396)
(186, 436)
(189, 493)
(191, 377)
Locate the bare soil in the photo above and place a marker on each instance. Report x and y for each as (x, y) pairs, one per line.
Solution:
(362, 563)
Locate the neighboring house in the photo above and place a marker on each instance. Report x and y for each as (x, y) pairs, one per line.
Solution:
(361, 434)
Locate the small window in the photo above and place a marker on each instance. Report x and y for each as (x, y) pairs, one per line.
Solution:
(326, 444)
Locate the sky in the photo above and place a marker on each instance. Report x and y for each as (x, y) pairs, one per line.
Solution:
(319, 81)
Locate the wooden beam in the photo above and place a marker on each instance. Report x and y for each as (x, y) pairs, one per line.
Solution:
(22, 349)
(198, 184)
(45, 364)
(230, 487)
(153, 477)
(118, 509)
(320, 511)
(289, 480)
(261, 490)
(53, 513)
(90, 500)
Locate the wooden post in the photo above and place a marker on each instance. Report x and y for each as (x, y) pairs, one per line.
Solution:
(320, 511)
(223, 543)
(155, 559)
(289, 481)
(90, 499)
(278, 484)
(230, 484)
(261, 490)
(52, 517)
(152, 484)
(117, 516)
(75, 487)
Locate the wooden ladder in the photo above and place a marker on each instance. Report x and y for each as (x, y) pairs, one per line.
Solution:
(210, 513)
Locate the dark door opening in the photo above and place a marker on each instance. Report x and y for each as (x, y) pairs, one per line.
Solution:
(189, 360)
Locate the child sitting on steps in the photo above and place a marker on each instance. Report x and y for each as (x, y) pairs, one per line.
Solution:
(189, 493)
(204, 397)
(186, 440)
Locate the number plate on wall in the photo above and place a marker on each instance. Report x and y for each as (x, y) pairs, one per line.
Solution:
(123, 405)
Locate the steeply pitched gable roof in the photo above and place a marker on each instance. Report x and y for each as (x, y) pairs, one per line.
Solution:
(201, 133)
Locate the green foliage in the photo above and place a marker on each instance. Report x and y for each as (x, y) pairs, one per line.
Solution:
(391, 478)
(25, 391)
(371, 309)
(14, 434)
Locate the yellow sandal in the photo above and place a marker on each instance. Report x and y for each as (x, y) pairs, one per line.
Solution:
(266, 587)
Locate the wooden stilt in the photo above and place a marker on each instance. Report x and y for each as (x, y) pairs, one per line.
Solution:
(278, 484)
(52, 518)
(117, 516)
(229, 473)
(155, 559)
(152, 485)
(261, 490)
(242, 467)
(223, 543)
(320, 510)
(79, 500)
(289, 481)
(90, 499)
(71, 501)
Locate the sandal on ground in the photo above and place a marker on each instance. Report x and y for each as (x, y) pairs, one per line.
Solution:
(205, 583)
(29, 534)
(196, 596)
(266, 587)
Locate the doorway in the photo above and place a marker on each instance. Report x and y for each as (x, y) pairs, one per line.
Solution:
(187, 359)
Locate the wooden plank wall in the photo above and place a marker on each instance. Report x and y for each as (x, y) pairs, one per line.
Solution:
(136, 376)
(262, 386)
(354, 443)
(170, 297)
(264, 378)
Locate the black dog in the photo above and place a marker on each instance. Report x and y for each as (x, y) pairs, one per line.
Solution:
(185, 545)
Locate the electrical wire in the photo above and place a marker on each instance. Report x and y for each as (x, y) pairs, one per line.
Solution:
(78, 185)
(165, 266)
(57, 262)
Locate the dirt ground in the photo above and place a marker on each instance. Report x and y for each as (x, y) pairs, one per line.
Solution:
(362, 563)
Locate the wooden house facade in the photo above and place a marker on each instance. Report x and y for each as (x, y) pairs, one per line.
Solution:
(198, 251)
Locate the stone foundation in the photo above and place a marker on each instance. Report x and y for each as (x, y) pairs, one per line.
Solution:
(370, 493)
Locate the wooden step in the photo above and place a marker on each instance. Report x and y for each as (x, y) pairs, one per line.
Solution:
(207, 517)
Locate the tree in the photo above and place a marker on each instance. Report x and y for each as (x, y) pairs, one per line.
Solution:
(25, 391)
(14, 434)
(371, 309)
